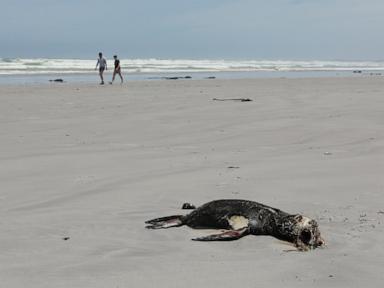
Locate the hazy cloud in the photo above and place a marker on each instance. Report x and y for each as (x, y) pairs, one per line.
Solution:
(274, 29)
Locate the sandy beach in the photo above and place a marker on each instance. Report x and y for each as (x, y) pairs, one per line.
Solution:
(83, 166)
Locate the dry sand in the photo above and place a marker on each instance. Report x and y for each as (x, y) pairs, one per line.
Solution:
(93, 163)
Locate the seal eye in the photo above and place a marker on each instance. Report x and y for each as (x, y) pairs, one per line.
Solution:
(298, 218)
(306, 236)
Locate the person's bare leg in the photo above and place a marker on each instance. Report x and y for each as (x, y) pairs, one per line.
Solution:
(113, 77)
(101, 76)
(121, 77)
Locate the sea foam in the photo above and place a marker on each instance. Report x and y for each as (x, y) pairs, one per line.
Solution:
(82, 66)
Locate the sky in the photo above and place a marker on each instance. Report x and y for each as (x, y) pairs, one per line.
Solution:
(193, 29)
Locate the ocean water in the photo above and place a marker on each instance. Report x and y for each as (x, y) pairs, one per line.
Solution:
(40, 69)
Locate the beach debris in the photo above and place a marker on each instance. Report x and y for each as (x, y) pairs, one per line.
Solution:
(66, 238)
(56, 80)
(177, 77)
(363, 218)
(327, 153)
(210, 77)
(188, 206)
(233, 99)
(357, 71)
(233, 167)
(380, 212)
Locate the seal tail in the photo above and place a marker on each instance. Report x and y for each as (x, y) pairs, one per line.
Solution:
(165, 222)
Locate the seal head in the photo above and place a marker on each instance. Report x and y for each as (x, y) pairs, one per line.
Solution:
(308, 236)
(302, 231)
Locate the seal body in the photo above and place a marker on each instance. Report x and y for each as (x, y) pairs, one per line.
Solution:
(243, 217)
(229, 214)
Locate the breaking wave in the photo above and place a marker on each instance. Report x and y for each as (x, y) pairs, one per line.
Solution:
(81, 66)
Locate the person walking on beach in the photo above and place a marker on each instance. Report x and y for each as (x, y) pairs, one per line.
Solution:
(117, 70)
(102, 63)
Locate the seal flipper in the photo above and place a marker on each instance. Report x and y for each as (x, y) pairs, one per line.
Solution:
(165, 222)
(225, 236)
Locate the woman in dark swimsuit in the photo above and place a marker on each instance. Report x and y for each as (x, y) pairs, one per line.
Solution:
(117, 70)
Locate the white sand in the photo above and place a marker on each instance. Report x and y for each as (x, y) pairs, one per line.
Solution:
(93, 163)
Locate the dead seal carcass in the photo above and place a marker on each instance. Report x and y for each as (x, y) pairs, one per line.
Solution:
(241, 218)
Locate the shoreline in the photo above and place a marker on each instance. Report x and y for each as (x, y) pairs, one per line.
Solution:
(93, 77)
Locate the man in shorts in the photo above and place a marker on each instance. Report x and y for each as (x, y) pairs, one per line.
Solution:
(117, 70)
(102, 63)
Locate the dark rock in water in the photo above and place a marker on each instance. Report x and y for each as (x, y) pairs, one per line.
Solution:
(188, 206)
(57, 80)
(211, 77)
(177, 78)
(357, 71)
